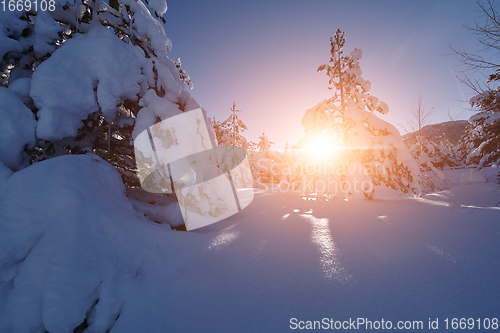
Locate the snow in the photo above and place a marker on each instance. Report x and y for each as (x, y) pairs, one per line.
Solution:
(153, 108)
(159, 6)
(476, 99)
(369, 135)
(100, 61)
(356, 54)
(143, 23)
(17, 129)
(384, 108)
(156, 212)
(75, 249)
(5, 173)
(10, 25)
(46, 31)
(488, 118)
(21, 88)
(472, 177)
(70, 237)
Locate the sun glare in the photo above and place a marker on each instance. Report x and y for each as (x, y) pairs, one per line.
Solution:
(321, 148)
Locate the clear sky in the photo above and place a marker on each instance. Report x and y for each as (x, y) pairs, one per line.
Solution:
(264, 56)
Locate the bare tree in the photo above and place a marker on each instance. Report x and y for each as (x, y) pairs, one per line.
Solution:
(420, 114)
(480, 143)
(419, 117)
(487, 31)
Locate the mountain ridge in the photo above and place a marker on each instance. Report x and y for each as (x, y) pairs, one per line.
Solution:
(452, 130)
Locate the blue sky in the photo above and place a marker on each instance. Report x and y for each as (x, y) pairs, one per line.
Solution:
(264, 56)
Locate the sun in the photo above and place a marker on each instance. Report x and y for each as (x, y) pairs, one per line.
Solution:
(321, 148)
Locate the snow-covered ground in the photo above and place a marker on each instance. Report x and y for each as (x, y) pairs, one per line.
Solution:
(72, 247)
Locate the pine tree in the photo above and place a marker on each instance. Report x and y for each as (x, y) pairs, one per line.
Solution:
(345, 79)
(26, 39)
(231, 129)
(95, 92)
(348, 122)
(264, 146)
(229, 133)
(430, 154)
(218, 129)
(448, 152)
(286, 151)
(252, 147)
(480, 144)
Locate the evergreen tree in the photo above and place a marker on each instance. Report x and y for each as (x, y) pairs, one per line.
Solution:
(229, 133)
(252, 147)
(286, 156)
(231, 129)
(286, 151)
(27, 38)
(480, 144)
(345, 79)
(218, 129)
(448, 152)
(431, 155)
(347, 121)
(264, 146)
(95, 92)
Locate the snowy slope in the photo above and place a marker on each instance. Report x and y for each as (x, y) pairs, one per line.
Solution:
(72, 247)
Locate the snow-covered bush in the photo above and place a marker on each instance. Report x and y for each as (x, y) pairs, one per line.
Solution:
(263, 169)
(354, 133)
(448, 153)
(472, 177)
(480, 144)
(72, 249)
(433, 158)
(265, 162)
(431, 155)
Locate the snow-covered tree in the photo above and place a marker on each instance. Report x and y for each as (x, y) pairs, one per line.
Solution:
(252, 146)
(347, 126)
(286, 151)
(432, 158)
(419, 117)
(93, 74)
(265, 145)
(26, 39)
(267, 162)
(219, 130)
(448, 154)
(480, 143)
(229, 132)
(430, 154)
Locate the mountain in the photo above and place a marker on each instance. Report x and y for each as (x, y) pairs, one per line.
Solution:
(452, 130)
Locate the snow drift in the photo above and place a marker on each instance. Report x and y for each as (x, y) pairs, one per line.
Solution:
(71, 246)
